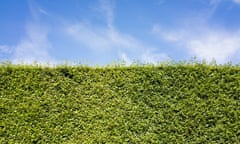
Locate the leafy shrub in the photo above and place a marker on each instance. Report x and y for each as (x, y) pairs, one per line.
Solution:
(179, 103)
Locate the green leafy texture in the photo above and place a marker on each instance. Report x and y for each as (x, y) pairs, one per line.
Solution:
(169, 103)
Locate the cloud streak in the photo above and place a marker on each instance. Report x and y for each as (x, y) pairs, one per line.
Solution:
(104, 39)
(216, 2)
(34, 47)
(205, 43)
(236, 1)
(101, 38)
(5, 51)
(106, 7)
(108, 39)
(196, 37)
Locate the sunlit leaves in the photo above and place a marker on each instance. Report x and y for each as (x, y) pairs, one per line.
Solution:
(173, 103)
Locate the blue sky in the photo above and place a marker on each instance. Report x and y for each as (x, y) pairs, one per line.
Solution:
(105, 31)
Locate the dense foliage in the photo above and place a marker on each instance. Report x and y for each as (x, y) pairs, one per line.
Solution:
(137, 104)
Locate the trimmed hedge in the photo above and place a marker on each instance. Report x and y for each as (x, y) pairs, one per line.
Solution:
(138, 104)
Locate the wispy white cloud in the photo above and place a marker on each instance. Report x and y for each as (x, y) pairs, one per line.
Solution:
(173, 36)
(216, 2)
(106, 7)
(236, 1)
(108, 39)
(42, 11)
(101, 38)
(195, 36)
(205, 43)
(34, 47)
(5, 49)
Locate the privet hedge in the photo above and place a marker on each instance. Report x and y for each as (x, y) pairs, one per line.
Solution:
(137, 104)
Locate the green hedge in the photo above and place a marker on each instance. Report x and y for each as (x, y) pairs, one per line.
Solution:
(137, 104)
